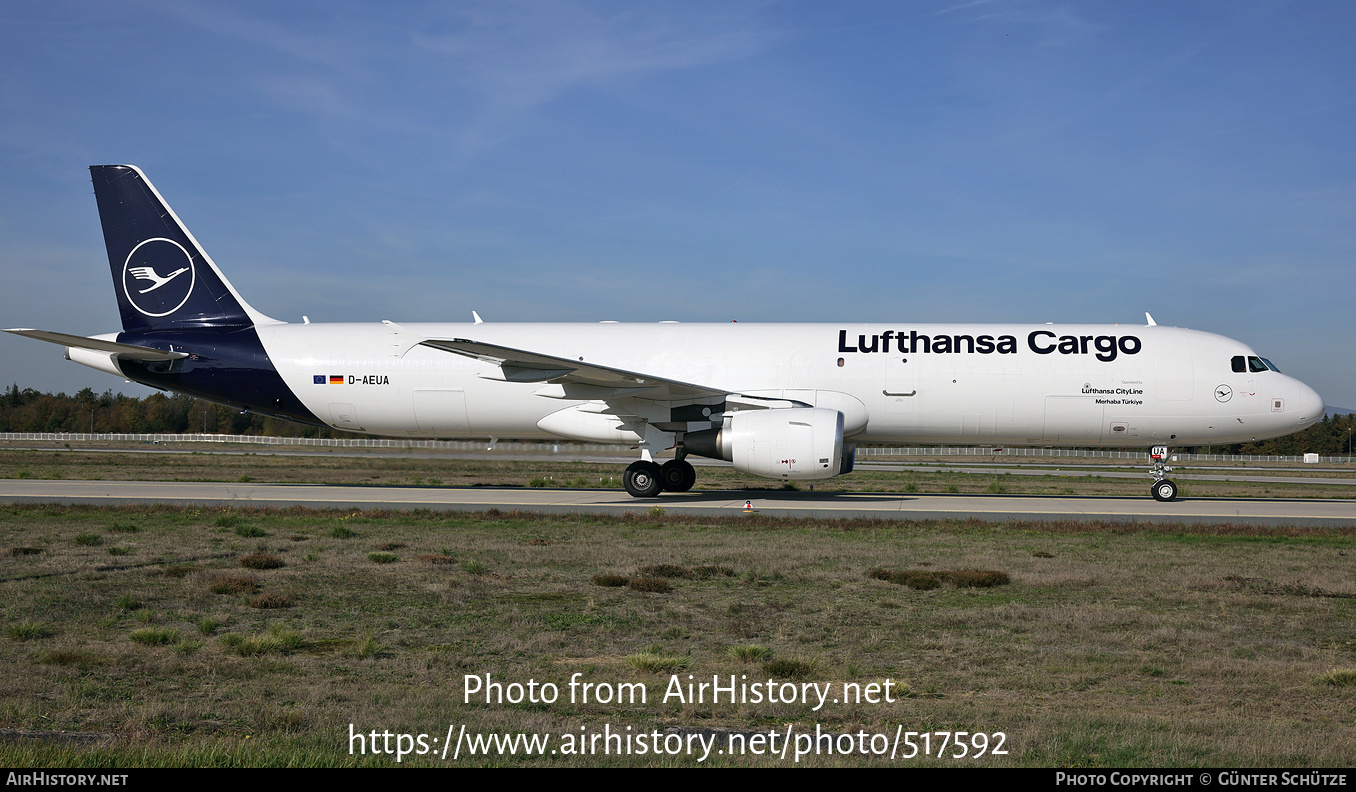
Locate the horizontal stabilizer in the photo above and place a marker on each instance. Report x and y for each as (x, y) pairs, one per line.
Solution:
(124, 351)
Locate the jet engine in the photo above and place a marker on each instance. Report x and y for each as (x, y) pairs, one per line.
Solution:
(796, 443)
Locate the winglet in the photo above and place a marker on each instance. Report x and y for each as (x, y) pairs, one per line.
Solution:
(476, 316)
(1152, 323)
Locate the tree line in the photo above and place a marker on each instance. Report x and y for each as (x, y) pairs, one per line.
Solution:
(28, 410)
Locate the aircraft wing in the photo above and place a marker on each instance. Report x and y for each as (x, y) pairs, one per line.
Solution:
(125, 351)
(577, 379)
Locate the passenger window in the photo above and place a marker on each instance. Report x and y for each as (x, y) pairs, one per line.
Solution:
(1238, 364)
(1256, 364)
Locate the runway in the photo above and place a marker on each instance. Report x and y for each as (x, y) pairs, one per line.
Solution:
(1333, 513)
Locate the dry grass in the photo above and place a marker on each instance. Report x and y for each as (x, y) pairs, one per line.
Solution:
(649, 585)
(924, 580)
(610, 581)
(261, 561)
(657, 663)
(663, 571)
(1130, 645)
(233, 584)
(271, 601)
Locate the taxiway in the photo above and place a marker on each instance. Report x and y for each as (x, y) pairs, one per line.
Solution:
(1246, 511)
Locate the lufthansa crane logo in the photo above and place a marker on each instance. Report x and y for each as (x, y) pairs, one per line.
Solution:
(158, 276)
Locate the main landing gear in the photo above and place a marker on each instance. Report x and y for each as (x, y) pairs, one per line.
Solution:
(1163, 489)
(645, 479)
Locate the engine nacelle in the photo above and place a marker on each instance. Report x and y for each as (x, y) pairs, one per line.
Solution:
(796, 444)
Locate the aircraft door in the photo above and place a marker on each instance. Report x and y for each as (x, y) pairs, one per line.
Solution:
(441, 412)
(1072, 420)
(900, 392)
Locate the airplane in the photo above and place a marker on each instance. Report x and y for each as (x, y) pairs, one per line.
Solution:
(784, 401)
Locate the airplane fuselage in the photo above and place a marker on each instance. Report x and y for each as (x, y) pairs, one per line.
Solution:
(1053, 385)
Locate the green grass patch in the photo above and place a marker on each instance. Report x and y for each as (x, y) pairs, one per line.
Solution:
(366, 647)
(154, 636)
(750, 653)
(277, 639)
(28, 631)
(792, 668)
(1340, 677)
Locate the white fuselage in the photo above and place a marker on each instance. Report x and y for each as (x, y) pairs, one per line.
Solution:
(1053, 385)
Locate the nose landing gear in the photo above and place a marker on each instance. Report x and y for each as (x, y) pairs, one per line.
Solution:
(1163, 489)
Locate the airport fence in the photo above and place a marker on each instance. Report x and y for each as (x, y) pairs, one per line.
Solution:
(863, 452)
(322, 442)
(1091, 453)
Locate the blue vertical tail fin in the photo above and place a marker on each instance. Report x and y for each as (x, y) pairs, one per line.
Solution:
(163, 278)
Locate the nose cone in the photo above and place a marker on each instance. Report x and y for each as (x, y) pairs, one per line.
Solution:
(1308, 404)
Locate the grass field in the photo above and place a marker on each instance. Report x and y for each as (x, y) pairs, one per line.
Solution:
(167, 636)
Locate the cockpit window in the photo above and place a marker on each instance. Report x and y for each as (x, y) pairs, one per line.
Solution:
(1251, 363)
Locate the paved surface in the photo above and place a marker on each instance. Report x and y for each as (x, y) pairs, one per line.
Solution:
(1335, 513)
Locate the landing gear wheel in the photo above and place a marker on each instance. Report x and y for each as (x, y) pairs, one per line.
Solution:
(1164, 491)
(642, 479)
(677, 475)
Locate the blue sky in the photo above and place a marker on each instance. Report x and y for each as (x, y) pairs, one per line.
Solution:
(906, 162)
